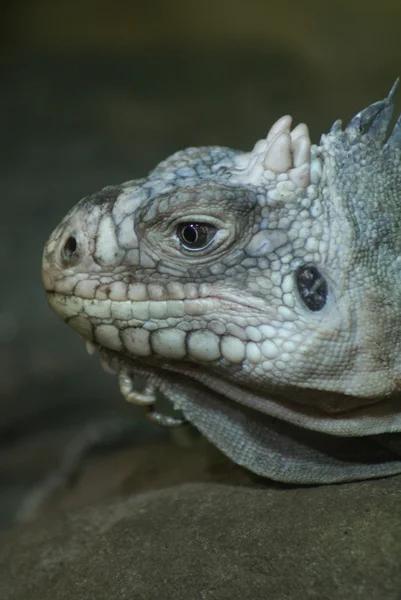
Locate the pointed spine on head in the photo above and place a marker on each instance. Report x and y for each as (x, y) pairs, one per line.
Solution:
(288, 154)
(282, 151)
(395, 138)
(374, 120)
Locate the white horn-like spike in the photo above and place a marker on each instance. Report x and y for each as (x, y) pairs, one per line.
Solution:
(283, 125)
(278, 157)
(260, 146)
(301, 150)
(282, 151)
(299, 130)
(300, 176)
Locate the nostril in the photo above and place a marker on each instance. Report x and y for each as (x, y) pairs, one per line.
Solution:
(69, 249)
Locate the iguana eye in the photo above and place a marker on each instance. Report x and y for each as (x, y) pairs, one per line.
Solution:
(195, 236)
(312, 287)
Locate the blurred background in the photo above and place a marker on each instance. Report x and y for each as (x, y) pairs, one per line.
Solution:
(95, 93)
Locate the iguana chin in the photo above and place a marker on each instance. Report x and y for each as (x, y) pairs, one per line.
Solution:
(259, 291)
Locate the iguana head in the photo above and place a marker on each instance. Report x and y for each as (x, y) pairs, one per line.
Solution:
(251, 286)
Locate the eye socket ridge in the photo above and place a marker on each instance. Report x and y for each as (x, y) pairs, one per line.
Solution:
(194, 235)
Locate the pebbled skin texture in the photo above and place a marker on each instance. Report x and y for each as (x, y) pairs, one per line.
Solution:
(276, 331)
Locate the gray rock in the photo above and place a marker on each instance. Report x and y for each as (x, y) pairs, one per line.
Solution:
(214, 541)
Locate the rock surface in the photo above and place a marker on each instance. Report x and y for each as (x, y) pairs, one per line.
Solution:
(214, 541)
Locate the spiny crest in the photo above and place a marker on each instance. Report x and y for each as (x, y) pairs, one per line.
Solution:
(374, 121)
(286, 154)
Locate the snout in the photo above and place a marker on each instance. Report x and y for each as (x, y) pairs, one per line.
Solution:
(62, 255)
(67, 255)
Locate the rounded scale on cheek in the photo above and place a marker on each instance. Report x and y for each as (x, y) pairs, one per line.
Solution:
(82, 325)
(169, 343)
(269, 349)
(204, 346)
(136, 341)
(118, 291)
(138, 292)
(232, 349)
(253, 353)
(86, 288)
(108, 336)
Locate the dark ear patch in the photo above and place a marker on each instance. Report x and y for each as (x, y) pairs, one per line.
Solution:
(312, 287)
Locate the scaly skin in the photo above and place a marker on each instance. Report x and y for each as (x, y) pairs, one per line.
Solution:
(259, 291)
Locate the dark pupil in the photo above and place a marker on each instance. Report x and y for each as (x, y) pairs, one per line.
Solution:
(312, 287)
(193, 235)
(190, 234)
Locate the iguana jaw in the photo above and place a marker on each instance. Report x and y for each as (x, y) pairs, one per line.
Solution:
(178, 381)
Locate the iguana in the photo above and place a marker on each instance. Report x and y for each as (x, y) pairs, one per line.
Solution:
(259, 291)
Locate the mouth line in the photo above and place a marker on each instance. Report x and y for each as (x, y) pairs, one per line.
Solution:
(227, 302)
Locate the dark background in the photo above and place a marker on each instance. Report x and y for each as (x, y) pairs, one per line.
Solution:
(94, 93)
